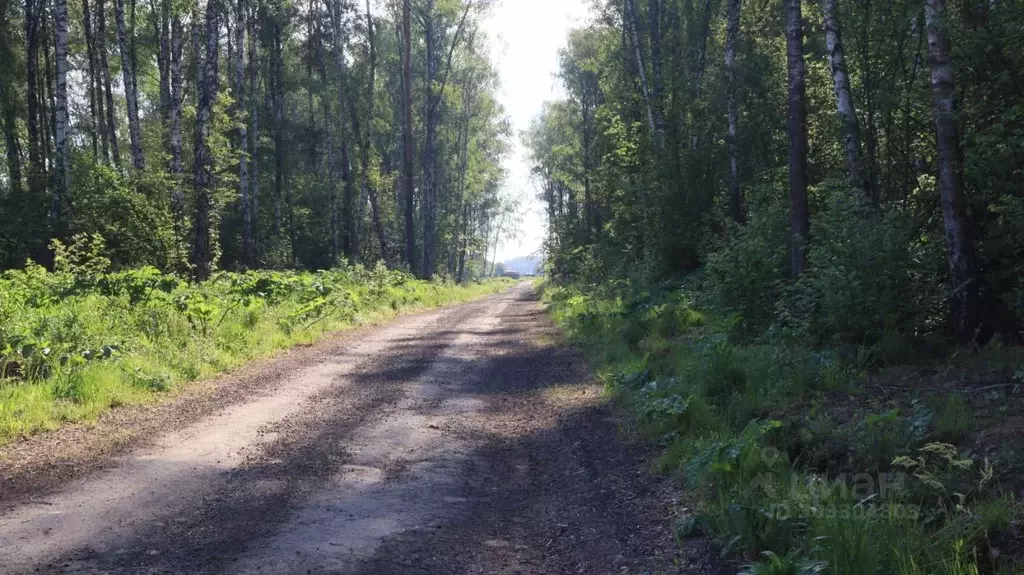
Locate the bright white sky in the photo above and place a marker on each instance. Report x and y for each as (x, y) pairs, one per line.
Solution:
(525, 38)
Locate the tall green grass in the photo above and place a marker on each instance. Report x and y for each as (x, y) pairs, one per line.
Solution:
(76, 343)
(796, 466)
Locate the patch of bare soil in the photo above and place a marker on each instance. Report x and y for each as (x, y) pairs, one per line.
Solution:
(457, 441)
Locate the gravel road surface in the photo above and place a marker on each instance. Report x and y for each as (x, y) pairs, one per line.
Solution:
(461, 440)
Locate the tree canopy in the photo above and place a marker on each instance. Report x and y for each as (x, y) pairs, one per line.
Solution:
(216, 134)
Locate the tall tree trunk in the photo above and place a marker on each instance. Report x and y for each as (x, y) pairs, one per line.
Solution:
(349, 240)
(99, 118)
(645, 91)
(461, 273)
(732, 30)
(434, 96)
(202, 250)
(428, 209)
(964, 300)
(468, 94)
(368, 190)
(175, 107)
(91, 127)
(176, 96)
(332, 184)
(108, 94)
(871, 165)
(243, 136)
(799, 218)
(844, 101)
(587, 141)
(12, 147)
(49, 115)
(160, 15)
(654, 27)
(407, 160)
(33, 12)
(700, 64)
(131, 94)
(254, 137)
(277, 97)
(58, 225)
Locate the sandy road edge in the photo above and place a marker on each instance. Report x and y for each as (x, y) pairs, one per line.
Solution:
(36, 466)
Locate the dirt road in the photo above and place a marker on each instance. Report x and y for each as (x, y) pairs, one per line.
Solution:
(462, 440)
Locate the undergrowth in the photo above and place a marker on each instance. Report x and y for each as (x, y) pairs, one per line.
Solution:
(79, 341)
(813, 459)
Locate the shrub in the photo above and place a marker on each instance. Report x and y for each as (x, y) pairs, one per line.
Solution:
(869, 280)
(78, 341)
(746, 270)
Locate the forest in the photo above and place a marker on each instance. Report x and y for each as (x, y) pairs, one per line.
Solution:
(197, 137)
(857, 163)
(789, 235)
(190, 186)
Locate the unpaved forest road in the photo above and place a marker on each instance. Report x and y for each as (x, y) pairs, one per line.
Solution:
(461, 440)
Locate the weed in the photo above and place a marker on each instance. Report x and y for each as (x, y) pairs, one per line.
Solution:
(78, 341)
(792, 454)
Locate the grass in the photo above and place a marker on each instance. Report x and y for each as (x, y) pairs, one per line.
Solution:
(77, 343)
(810, 460)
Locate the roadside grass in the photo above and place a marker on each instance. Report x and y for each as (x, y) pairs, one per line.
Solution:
(77, 343)
(816, 460)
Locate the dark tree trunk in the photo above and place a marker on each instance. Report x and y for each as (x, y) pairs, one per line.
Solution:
(700, 63)
(131, 94)
(94, 135)
(799, 218)
(368, 190)
(468, 94)
(36, 175)
(964, 297)
(254, 137)
(12, 147)
(407, 160)
(428, 209)
(349, 241)
(277, 96)
(161, 31)
(108, 94)
(60, 199)
(202, 250)
(243, 136)
(430, 205)
(654, 27)
(871, 166)
(461, 273)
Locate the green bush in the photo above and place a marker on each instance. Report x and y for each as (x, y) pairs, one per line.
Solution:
(869, 280)
(77, 341)
(789, 451)
(747, 268)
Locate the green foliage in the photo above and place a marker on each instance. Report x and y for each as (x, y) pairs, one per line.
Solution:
(82, 339)
(788, 564)
(785, 448)
(747, 270)
(868, 279)
(131, 214)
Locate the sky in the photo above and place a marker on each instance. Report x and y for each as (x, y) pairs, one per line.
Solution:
(525, 36)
